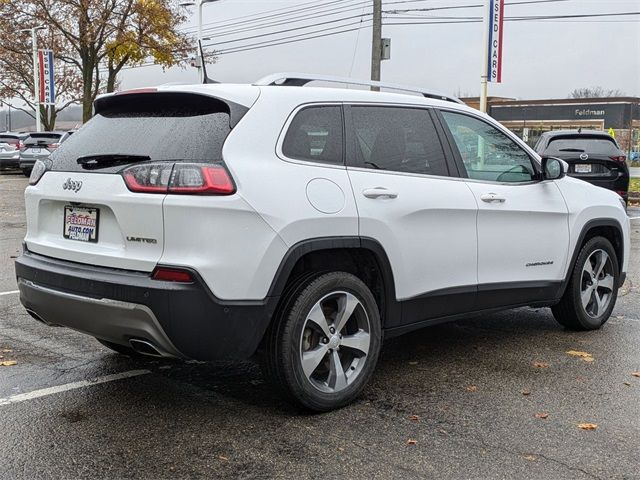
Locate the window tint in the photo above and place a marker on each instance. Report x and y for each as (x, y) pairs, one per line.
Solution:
(315, 134)
(593, 145)
(42, 138)
(397, 139)
(10, 139)
(487, 153)
(175, 127)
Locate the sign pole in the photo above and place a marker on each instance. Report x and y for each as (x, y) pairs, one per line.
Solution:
(36, 79)
(485, 55)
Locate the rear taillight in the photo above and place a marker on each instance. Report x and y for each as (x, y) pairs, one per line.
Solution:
(179, 178)
(172, 275)
(53, 146)
(39, 169)
(620, 159)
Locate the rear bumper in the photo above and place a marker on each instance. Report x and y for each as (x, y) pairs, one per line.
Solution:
(9, 161)
(179, 320)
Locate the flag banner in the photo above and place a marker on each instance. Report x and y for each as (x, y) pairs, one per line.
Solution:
(496, 27)
(47, 85)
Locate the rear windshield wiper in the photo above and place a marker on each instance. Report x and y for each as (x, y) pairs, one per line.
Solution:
(571, 150)
(94, 162)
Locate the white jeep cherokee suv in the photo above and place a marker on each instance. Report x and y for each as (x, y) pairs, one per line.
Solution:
(304, 225)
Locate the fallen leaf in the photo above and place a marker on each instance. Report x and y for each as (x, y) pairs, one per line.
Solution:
(619, 317)
(412, 442)
(628, 384)
(413, 363)
(472, 388)
(542, 415)
(442, 431)
(531, 458)
(414, 418)
(340, 449)
(8, 363)
(526, 392)
(6, 350)
(636, 374)
(223, 458)
(540, 365)
(587, 426)
(587, 357)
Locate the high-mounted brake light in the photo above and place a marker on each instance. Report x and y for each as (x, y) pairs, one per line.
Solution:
(179, 178)
(137, 90)
(172, 275)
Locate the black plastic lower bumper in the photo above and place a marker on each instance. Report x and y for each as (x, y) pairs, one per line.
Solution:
(189, 316)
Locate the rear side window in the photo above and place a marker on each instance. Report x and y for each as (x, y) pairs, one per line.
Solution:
(583, 144)
(397, 139)
(315, 134)
(176, 127)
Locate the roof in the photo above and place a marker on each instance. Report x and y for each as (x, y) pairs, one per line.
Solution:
(560, 133)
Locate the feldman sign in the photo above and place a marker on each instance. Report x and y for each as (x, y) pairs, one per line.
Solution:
(45, 71)
(496, 28)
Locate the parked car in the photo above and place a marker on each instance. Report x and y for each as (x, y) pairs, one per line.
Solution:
(593, 156)
(39, 146)
(305, 225)
(10, 145)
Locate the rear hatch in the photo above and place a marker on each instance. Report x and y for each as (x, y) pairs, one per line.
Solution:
(39, 145)
(590, 157)
(82, 209)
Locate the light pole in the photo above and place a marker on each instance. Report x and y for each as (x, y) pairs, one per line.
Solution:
(199, 56)
(36, 78)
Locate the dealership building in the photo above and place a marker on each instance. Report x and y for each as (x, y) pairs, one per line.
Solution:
(530, 118)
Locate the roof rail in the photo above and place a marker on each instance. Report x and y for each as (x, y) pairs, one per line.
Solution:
(300, 79)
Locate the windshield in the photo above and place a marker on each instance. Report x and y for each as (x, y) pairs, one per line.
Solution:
(592, 145)
(164, 131)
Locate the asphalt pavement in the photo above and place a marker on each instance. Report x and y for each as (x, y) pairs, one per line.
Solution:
(496, 396)
(634, 172)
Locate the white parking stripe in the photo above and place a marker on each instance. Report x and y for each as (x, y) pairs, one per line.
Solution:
(71, 386)
(9, 293)
(634, 218)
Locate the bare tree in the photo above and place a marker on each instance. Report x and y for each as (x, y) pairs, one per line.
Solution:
(595, 92)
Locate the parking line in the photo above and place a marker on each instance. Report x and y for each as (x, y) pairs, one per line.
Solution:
(71, 386)
(9, 293)
(634, 218)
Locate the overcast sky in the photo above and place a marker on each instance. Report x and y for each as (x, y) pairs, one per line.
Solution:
(542, 59)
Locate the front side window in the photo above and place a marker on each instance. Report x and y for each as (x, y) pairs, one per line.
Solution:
(487, 153)
(397, 139)
(315, 134)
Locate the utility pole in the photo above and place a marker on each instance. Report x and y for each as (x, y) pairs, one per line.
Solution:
(36, 77)
(376, 42)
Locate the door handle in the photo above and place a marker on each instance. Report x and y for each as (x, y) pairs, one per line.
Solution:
(492, 198)
(379, 192)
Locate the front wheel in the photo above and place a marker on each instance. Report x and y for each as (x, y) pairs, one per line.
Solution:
(323, 346)
(593, 287)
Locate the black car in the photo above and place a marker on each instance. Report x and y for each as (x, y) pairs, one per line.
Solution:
(593, 156)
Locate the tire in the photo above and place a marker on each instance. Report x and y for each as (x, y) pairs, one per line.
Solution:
(121, 349)
(574, 313)
(26, 172)
(353, 344)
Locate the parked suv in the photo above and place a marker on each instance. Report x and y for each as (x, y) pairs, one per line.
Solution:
(593, 156)
(39, 146)
(305, 225)
(10, 145)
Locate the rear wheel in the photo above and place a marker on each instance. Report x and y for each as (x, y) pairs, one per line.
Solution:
(592, 290)
(323, 346)
(26, 172)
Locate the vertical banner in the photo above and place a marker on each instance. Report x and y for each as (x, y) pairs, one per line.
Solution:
(496, 27)
(45, 71)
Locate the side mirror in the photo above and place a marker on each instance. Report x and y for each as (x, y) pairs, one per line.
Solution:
(553, 168)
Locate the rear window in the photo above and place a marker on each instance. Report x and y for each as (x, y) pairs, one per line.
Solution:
(42, 139)
(593, 145)
(176, 127)
(10, 139)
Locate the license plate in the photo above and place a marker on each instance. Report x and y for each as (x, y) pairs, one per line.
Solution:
(583, 168)
(35, 150)
(81, 223)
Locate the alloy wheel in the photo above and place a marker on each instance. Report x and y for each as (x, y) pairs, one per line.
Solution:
(597, 283)
(335, 341)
